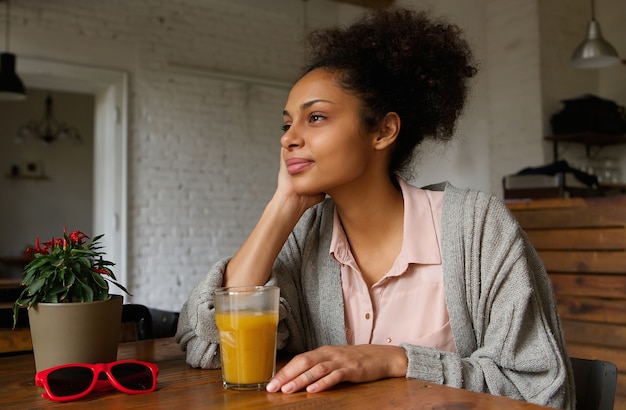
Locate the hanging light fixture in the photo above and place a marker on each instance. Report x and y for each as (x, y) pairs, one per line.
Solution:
(594, 51)
(11, 87)
(48, 129)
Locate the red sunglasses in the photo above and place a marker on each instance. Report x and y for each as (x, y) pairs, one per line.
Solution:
(69, 382)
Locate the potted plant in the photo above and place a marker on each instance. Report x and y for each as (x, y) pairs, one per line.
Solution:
(72, 316)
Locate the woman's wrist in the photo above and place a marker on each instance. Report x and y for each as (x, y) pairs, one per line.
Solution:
(252, 264)
(289, 207)
(399, 364)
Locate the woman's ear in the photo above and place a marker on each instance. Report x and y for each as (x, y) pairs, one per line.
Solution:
(388, 131)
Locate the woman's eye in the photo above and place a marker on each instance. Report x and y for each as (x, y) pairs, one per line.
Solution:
(316, 117)
(285, 127)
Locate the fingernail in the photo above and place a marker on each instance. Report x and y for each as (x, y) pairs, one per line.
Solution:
(312, 388)
(272, 386)
(289, 387)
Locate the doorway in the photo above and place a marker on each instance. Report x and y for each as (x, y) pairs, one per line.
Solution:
(110, 91)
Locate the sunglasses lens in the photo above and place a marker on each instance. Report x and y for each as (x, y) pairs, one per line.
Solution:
(133, 376)
(69, 381)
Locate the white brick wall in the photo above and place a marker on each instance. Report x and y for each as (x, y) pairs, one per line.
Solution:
(203, 152)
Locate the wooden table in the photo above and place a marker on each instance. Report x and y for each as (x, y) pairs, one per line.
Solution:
(181, 387)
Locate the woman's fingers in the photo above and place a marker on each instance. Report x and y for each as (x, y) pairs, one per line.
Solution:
(326, 382)
(297, 374)
(327, 366)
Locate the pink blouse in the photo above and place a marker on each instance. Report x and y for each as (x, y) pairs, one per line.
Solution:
(407, 305)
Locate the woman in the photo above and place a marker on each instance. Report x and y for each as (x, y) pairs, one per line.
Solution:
(379, 278)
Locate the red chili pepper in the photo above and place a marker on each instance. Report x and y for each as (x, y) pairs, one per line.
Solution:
(30, 252)
(102, 271)
(77, 237)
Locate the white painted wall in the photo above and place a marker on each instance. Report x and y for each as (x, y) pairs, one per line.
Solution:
(561, 33)
(203, 151)
(463, 161)
(31, 206)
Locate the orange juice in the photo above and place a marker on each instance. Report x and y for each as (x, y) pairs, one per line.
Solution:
(247, 346)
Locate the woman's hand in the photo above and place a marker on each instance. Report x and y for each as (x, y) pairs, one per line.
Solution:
(326, 366)
(286, 190)
(252, 263)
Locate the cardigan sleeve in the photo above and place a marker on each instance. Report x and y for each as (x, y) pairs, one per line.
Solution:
(197, 332)
(502, 310)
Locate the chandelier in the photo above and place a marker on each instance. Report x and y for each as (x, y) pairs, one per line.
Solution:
(48, 129)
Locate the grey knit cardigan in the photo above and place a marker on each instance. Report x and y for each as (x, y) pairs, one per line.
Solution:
(500, 303)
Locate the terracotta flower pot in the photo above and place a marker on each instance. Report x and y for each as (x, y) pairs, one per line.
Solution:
(75, 332)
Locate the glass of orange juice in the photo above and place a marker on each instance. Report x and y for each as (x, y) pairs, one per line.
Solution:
(247, 319)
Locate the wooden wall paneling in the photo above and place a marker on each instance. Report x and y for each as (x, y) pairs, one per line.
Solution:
(581, 261)
(592, 310)
(583, 217)
(582, 243)
(589, 333)
(592, 285)
(608, 239)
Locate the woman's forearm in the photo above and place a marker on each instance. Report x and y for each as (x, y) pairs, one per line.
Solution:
(252, 264)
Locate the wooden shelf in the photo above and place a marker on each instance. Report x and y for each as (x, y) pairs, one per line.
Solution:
(13, 260)
(31, 177)
(586, 138)
(590, 138)
(612, 185)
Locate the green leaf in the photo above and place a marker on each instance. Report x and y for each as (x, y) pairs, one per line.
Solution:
(16, 310)
(100, 294)
(57, 263)
(87, 292)
(21, 301)
(36, 263)
(56, 290)
(97, 278)
(119, 285)
(69, 279)
(36, 286)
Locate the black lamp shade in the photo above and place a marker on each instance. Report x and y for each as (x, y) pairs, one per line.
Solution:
(11, 87)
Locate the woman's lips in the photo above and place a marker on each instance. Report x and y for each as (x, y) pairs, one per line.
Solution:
(295, 165)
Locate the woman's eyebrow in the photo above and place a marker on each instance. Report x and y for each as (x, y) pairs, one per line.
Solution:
(307, 105)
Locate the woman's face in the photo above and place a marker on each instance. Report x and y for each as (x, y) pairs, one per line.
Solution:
(325, 147)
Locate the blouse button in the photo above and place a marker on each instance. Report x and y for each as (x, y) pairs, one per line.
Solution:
(388, 340)
(367, 316)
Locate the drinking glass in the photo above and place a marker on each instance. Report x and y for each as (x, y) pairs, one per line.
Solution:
(247, 320)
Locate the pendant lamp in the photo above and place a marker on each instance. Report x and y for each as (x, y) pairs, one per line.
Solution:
(594, 51)
(11, 87)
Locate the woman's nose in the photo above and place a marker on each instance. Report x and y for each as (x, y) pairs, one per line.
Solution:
(291, 138)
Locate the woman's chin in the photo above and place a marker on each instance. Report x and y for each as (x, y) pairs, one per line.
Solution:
(307, 189)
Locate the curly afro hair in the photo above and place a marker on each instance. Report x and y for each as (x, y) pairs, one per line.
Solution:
(403, 61)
